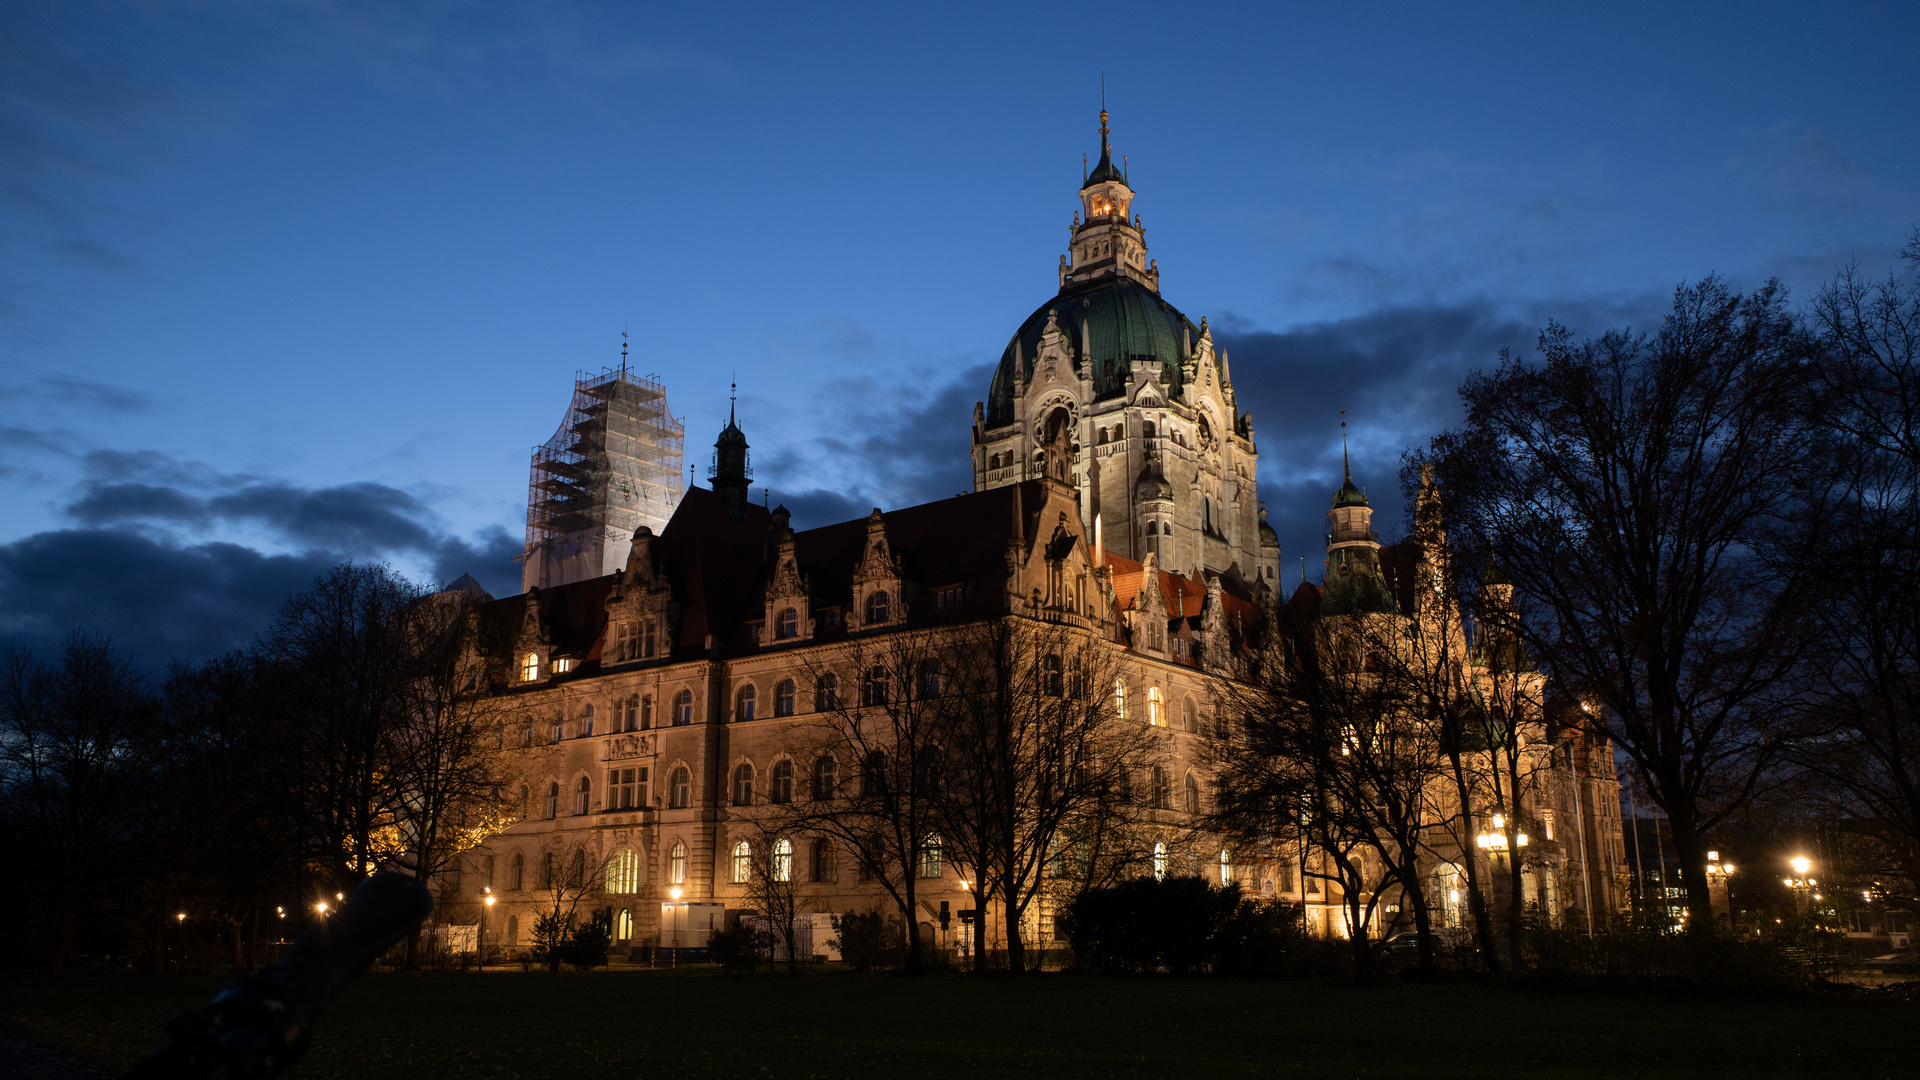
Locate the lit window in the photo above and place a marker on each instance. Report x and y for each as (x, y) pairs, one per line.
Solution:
(742, 862)
(743, 705)
(683, 709)
(1160, 861)
(788, 625)
(1156, 709)
(878, 606)
(530, 667)
(623, 873)
(1120, 698)
(623, 925)
(562, 666)
(1226, 868)
(677, 864)
(783, 695)
(780, 787)
(930, 856)
(782, 863)
(680, 788)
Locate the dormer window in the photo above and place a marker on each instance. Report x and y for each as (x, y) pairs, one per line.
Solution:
(647, 639)
(879, 606)
(564, 665)
(788, 625)
(530, 667)
(626, 641)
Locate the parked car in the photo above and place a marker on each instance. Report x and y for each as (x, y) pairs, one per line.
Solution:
(1448, 941)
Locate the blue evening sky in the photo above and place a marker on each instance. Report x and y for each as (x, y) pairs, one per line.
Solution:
(288, 282)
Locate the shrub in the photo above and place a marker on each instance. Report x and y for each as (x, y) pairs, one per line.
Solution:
(1181, 925)
(738, 949)
(868, 940)
(588, 944)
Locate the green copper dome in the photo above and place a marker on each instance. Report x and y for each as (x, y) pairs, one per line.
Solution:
(1349, 495)
(1123, 320)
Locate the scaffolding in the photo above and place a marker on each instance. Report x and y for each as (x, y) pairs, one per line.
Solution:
(613, 466)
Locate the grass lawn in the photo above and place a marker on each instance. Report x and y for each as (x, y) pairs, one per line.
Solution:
(632, 1024)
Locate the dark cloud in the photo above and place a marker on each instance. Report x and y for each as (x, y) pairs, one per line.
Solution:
(158, 602)
(1396, 372)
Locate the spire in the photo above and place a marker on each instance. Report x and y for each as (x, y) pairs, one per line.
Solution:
(732, 466)
(1105, 172)
(1348, 495)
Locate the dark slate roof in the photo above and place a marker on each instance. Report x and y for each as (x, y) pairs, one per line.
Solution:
(1124, 320)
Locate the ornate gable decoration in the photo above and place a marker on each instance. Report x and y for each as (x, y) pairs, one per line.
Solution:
(877, 586)
(1149, 623)
(1055, 348)
(787, 590)
(641, 614)
(1215, 649)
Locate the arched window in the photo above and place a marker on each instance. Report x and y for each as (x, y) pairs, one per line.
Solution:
(513, 930)
(683, 709)
(553, 800)
(1193, 794)
(743, 703)
(873, 691)
(1147, 429)
(1120, 698)
(825, 779)
(743, 784)
(583, 796)
(623, 925)
(787, 625)
(526, 802)
(1189, 715)
(517, 872)
(930, 853)
(783, 698)
(677, 864)
(1156, 708)
(577, 869)
(1123, 786)
(780, 788)
(1103, 437)
(878, 606)
(646, 713)
(742, 862)
(782, 861)
(822, 860)
(1157, 793)
(1051, 679)
(680, 789)
(1226, 868)
(530, 667)
(1160, 861)
(586, 720)
(623, 873)
(873, 774)
(826, 693)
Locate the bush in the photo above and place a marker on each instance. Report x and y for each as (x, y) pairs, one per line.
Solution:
(1179, 925)
(588, 944)
(738, 949)
(869, 940)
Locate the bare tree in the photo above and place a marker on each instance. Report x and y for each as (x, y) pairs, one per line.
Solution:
(1646, 494)
(569, 873)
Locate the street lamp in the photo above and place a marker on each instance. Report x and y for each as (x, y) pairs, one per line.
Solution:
(1495, 839)
(480, 939)
(674, 893)
(1800, 883)
(1717, 874)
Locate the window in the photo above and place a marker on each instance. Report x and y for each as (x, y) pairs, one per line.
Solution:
(788, 625)
(873, 774)
(583, 796)
(1103, 437)
(647, 639)
(526, 802)
(680, 788)
(873, 691)
(553, 800)
(877, 607)
(826, 693)
(623, 872)
(824, 780)
(742, 863)
(563, 665)
(623, 925)
(1052, 682)
(677, 864)
(626, 640)
(559, 729)
(1156, 709)
(1120, 698)
(783, 695)
(577, 869)
(623, 788)
(930, 856)
(549, 875)
(646, 713)
(517, 872)
(513, 929)
(586, 721)
(1193, 794)
(1157, 792)
(1226, 868)
(822, 869)
(743, 703)
(780, 790)
(782, 862)
(743, 784)
(530, 667)
(683, 709)
(948, 599)
(1189, 715)
(1123, 786)
(929, 680)
(1160, 861)
(486, 872)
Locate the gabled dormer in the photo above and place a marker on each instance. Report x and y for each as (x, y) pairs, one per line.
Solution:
(533, 646)
(878, 589)
(1147, 621)
(789, 600)
(641, 614)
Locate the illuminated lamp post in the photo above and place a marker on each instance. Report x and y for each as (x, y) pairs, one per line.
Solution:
(1718, 874)
(1800, 883)
(480, 938)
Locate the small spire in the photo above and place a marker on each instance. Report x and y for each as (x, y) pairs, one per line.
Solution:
(1345, 461)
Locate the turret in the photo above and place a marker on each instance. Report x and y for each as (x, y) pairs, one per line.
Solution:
(732, 467)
